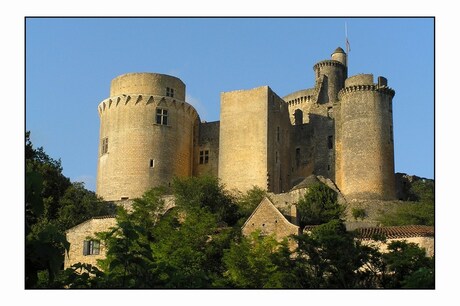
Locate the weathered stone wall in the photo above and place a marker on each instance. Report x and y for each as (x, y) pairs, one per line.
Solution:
(141, 153)
(269, 220)
(243, 139)
(366, 140)
(78, 234)
(278, 146)
(208, 140)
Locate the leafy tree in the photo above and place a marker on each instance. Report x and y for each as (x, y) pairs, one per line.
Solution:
(78, 204)
(248, 202)
(408, 266)
(129, 262)
(54, 183)
(45, 245)
(330, 257)
(319, 205)
(258, 262)
(205, 192)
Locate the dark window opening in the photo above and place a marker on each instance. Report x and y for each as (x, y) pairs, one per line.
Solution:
(91, 247)
(169, 92)
(105, 145)
(330, 142)
(204, 157)
(298, 117)
(162, 116)
(152, 163)
(278, 134)
(390, 106)
(276, 157)
(297, 157)
(124, 198)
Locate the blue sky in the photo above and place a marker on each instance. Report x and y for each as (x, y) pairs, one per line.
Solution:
(71, 61)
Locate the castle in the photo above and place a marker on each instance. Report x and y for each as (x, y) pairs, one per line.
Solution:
(341, 129)
(339, 132)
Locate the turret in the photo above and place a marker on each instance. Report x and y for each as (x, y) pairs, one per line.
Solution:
(330, 76)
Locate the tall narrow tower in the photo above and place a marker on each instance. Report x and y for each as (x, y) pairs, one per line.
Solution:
(364, 139)
(146, 135)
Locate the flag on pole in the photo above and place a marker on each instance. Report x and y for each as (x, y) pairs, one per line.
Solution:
(347, 43)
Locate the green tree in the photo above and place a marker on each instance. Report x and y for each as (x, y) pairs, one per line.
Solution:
(45, 242)
(248, 201)
(331, 257)
(258, 262)
(54, 183)
(205, 192)
(78, 204)
(408, 266)
(129, 262)
(319, 205)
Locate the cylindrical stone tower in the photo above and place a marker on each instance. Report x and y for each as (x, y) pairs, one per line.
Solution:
(146, 135)
(364, 139)
(332, 73)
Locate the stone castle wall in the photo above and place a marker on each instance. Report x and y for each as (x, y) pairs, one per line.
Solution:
(243, 138)
(206, 150)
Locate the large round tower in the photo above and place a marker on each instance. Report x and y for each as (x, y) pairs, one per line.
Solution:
(146, 135)
(364, 139)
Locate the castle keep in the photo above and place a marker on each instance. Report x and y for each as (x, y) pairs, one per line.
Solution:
(341, 129)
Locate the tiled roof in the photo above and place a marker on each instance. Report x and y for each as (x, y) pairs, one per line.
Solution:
(390, 232)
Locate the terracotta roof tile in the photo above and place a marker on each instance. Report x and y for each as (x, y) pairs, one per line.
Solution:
(390, 232)
(393, 232)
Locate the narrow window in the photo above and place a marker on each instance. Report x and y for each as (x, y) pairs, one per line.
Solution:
(276, 157)
(278, 134)
(162, 116)
(152, 163)
(297, 157)
(169, 92)
(390, 106)
(330, 143)
(105, 145)
(204, 157)
(91, 247)
(298, 117)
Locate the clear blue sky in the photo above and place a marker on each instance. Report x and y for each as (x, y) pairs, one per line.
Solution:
(71, 61)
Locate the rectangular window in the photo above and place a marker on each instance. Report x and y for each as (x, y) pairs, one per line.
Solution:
(390, 106)
(162, 116)
(204, 157)
(278, 134)
(91, 247)
(276, 157)
(152, 163)
(169, 92)
(104, 145)
(330, 142)
(297, 157)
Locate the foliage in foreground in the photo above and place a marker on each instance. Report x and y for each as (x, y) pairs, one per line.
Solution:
(189, 246)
